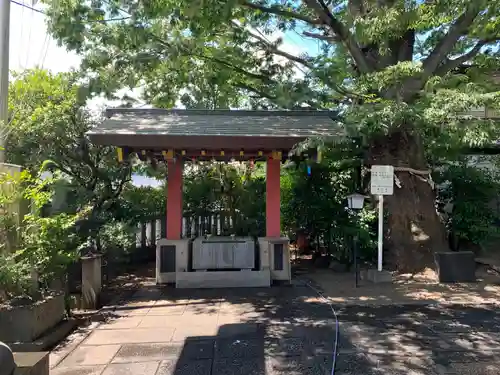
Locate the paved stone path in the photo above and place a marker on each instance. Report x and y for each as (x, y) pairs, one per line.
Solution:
(282, 330)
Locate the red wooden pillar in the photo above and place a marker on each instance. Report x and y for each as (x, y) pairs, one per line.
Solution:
(174, 200)
(273, 214)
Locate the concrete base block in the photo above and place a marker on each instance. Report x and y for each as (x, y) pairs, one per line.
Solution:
(267, 254)
(28, 322)
(180, 259)
(34, 363)
(456, 266)
(223, 279)
(48, 340)
(378, 277)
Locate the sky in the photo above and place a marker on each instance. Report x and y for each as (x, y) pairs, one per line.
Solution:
(31, 46)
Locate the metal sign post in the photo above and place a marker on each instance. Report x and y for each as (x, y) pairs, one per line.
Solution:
(382, 183)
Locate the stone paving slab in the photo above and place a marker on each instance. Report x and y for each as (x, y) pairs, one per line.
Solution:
(279, 331)
(117, 322)
(151, 321)
(78, 370)
(146, 352)
(126, 336)
(71, 343)
(90, 355)
(139, 368)
(167, 310)
(195, 331)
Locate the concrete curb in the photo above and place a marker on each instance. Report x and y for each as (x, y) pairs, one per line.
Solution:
(48, 340)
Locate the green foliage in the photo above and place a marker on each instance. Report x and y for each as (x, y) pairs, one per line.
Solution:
(49, 244)
(140, 204)
(117, 239)
(473, 191)
(11, 196)
(15, 277)
(45, 245)
(316, 204)
(117, 234)
(235, 191)
(216, 54)
(402, 71)
(48, 131)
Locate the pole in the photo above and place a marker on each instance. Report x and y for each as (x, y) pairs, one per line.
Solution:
(356, 268)
(4, 72)
(380, 230)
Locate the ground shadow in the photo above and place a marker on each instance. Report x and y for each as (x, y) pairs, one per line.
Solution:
(290, 330)
(235, 349)
(297, 333)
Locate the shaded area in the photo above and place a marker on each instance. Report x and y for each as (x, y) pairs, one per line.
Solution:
(282, 330)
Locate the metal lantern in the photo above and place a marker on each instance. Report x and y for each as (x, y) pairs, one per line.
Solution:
(355, 201)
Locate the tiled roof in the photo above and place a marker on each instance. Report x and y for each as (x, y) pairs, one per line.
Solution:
(301, 124)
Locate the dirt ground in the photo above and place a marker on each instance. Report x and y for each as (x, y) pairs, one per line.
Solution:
(405, 289)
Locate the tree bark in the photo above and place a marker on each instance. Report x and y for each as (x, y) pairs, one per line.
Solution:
(415, 230)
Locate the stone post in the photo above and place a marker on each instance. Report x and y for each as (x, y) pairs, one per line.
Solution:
(91, 281)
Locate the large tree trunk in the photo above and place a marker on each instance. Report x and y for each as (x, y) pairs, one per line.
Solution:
(415, 231)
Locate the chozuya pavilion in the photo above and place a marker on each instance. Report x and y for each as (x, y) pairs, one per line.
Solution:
(179, 136)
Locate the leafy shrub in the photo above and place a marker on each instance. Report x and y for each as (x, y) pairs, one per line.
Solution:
(471, 192)
(15, 277)
(117, 239)
(45, 245)
(314, 200)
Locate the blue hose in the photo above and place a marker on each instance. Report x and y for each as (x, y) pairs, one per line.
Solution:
(337, 328)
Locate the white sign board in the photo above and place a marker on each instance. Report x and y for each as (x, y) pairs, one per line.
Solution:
(382, 180)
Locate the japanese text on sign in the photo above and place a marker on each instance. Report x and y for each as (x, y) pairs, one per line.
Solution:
(382, 180)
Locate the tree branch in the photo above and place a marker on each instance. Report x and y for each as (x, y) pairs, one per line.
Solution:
(261, 77)
(281, 12)
(227, 64)
(450, 65)
(342, 32)
(268, 45)
(445, 45)
(326, 38)
(261, 93)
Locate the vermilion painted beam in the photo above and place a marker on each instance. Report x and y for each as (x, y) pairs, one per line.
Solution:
(174, 199)
(273, 215)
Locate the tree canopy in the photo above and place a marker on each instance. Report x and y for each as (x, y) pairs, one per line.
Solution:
(47, 131)
(403, 72)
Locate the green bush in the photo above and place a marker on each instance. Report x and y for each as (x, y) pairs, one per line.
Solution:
(314, 202)
(471, 192)
(15, 277)
(117, 240)
(45, 245)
